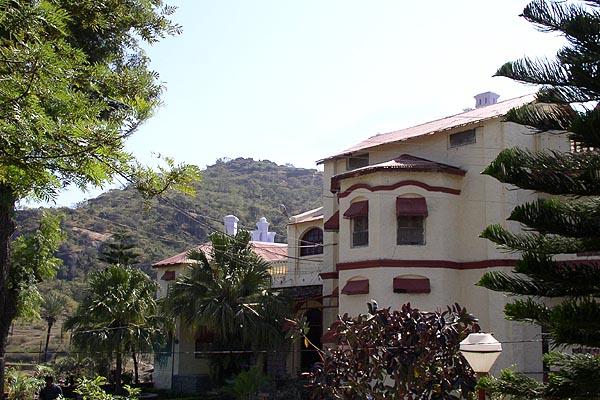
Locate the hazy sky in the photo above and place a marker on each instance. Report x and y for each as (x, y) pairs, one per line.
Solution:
(295, 81)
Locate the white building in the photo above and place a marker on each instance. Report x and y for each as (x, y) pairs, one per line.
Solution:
(180, 366)
(403, 212)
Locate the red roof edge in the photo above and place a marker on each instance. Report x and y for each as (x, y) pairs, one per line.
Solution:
(333, 223)
(411, 285)
(359, 286)
(329, 275)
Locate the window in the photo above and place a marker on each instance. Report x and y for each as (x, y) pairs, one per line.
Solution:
(357, 161)
(410, 230)
(360, 231)
(311, 242)
(410, 214)
(462, 138)
(358, 214)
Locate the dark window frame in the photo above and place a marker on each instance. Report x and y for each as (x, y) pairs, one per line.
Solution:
(360, 237)
(357, 161)
(463, 138)
(311, 246)
(410, 230)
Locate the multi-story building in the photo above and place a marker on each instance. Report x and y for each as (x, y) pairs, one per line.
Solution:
(403, 212)
(400, 222)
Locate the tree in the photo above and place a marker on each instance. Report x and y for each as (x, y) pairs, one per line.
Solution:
(119, 251)
(75, 84)
(120, 316)
(53, 307)
(228, 293)
(404, 354)
(33, 261)
(561, 297)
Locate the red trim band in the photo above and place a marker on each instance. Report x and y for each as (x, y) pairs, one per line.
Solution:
(329, 275)
(396, 185)
(426, 264)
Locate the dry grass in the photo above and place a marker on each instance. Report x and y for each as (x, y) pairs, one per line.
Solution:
(27, 340)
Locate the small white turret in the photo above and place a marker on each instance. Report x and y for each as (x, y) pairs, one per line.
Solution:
(231, 224)
(486, 99)
(262, 234)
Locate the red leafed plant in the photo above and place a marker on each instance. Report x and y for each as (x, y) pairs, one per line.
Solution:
(403, 354)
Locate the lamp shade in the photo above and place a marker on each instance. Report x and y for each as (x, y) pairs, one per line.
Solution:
(481, 351)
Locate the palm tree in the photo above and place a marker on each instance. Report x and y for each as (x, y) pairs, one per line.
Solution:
(228, 292)
(119, 316)
(54, 305)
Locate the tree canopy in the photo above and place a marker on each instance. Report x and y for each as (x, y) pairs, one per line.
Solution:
(228, 293)
(560, 296)
(120, 316)
(75, 85)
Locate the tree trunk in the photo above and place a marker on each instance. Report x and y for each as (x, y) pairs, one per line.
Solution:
(50, 323)
(8, 306)
(136, 379)
(118, 372)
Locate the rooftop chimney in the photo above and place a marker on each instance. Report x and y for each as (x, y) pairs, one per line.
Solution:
(262, 234)
(231, 222)
(486, 99)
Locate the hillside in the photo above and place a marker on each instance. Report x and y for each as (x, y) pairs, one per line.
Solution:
(246, 188)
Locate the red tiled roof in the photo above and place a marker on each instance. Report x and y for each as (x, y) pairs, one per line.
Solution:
(439, 125)
(268, 251)
(404, 162)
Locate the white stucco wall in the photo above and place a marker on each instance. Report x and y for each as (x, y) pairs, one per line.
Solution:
(301, 270)
(452, 230)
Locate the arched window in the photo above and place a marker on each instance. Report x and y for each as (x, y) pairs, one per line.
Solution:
(311, 242)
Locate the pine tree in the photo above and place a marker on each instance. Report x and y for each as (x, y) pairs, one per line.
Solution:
(120, 250)
(560, 296)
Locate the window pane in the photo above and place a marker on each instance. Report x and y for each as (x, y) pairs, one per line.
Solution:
(312, 242)
(462, 138)
(410, 221)
(361, 223)
(357, 161)
(360, 231)
(410, 230)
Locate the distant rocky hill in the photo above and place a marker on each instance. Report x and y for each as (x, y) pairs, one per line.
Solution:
(246, 188)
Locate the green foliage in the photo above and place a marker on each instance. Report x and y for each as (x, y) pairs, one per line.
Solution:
(119, 251)
(21, 386)
(575, 378)
(75, 365)
(562, 297)
(568, 224)
(90, 389)
(398, 354)
(119, 316)
(228, 292)
(75, 85)
(511, 385)
(33, 260)
(247, 383)
(54, 306)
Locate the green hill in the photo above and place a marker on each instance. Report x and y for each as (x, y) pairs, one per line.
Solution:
(246, 188)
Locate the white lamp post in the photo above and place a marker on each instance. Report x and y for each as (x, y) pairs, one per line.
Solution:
(481, 351)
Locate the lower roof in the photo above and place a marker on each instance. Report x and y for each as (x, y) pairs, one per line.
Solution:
(272, 252)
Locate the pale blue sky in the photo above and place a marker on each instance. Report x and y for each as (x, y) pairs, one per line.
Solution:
(295, 81)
